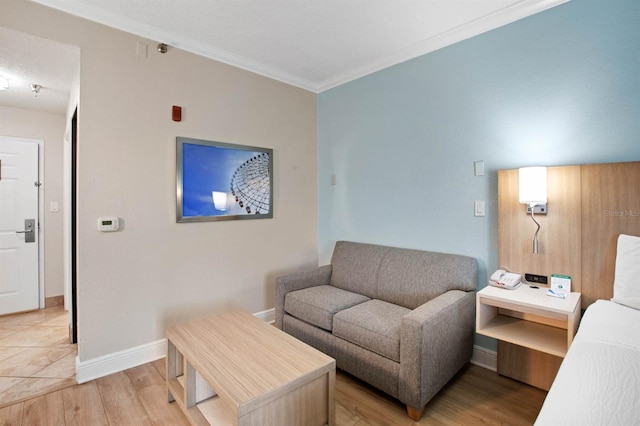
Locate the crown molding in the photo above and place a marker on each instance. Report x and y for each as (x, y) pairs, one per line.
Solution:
(519, 10)
(471, 29)
(151, 32)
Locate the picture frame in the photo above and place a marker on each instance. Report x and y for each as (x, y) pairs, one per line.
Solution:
(222, 181)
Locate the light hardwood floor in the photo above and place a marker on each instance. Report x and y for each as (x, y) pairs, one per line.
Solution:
(35, 354)
(476, 396)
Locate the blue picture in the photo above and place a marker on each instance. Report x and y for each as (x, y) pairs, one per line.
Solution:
(222, 181)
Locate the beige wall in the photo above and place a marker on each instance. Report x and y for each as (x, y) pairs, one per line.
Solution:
(50, 129)
(155, 272)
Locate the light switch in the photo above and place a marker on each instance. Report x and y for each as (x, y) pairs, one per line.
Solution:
(478, 208)
(141, 50)
(333, 180)
(478, 168)
(53, 207)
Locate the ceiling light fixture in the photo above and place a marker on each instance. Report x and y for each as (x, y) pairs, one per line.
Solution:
(4, 83)
(35, 88)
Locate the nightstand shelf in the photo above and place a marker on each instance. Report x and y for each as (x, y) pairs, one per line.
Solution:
(540, 337)
(526, 320)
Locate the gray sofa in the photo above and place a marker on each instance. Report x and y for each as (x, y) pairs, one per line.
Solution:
(400, 319)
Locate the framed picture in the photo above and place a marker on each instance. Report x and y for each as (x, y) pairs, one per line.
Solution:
(222, 181)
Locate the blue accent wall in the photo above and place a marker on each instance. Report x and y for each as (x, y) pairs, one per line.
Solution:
(560, 87)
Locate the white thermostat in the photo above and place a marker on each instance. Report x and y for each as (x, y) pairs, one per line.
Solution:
(108, 224)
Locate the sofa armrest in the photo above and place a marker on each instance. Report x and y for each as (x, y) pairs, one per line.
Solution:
(436, 340)
(297, 281)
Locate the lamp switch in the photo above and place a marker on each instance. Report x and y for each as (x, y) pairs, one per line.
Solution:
(538, 209)
(478, 208)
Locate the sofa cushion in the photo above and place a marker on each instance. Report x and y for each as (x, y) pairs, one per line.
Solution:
(411, 278)
(404, 277)
(317, 305)
(373, 325)
(356, 265)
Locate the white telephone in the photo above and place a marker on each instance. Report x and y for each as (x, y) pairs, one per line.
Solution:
(504, 279)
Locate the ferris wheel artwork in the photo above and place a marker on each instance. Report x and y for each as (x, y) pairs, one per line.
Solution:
(251, 186)
(222, 181)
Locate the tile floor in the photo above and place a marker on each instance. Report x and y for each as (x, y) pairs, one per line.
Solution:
(35, 354)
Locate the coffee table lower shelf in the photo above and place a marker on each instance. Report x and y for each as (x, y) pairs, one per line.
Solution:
(211, 411)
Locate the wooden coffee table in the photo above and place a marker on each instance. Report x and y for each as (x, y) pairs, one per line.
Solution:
(235, 369)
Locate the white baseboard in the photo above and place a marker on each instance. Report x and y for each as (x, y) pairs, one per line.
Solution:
(268, 316)
(119, 361)
(484, 358)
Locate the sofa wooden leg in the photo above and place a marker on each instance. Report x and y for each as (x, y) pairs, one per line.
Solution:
(415, 414)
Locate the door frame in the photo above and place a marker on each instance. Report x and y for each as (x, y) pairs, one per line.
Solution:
(69, 219)
(73, 217)
(41, 224)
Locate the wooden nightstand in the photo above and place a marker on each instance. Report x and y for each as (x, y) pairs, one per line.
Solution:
(534, 331)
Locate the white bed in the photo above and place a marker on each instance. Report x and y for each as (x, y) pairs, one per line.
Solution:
(599, 380)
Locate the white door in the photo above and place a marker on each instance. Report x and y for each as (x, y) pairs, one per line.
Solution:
(19, 288)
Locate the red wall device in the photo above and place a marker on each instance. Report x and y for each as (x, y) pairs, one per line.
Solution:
(176, 113)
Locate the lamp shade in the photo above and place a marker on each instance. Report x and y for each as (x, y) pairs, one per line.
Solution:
(532, 185)
(219, 200)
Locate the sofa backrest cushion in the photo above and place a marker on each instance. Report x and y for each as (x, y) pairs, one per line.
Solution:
(410, 278)
(355, 267)
(401, 276)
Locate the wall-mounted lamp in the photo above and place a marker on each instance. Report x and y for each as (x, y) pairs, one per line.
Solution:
(532, 191)
(219, 200)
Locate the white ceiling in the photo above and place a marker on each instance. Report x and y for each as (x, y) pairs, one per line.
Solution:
(312, 44)
(26, 60)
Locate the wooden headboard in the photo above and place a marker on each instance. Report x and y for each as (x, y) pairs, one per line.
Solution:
(588, 207)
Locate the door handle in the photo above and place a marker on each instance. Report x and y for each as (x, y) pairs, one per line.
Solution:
(29, 228)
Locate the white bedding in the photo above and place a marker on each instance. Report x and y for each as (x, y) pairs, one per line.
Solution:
(599, 380)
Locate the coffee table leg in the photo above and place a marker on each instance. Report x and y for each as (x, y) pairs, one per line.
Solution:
(331, 398)
(171, 367)
(190, 386)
